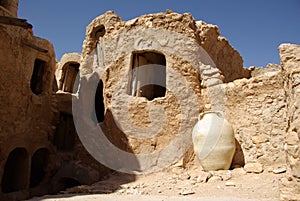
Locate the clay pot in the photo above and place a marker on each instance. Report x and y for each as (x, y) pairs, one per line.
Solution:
(214, 142)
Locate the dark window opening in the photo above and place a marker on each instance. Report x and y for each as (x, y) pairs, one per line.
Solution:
(100, 32)
(39, 163)
(99, 102)
(70, 81)
(15, 173)
(148, 78)
(64, 136)
(36, 83)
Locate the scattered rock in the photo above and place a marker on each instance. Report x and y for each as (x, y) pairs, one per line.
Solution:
(187, 192)
(214, 179)
(185, 177)
(238, 172)
(204, 176)
(253, 168)
(230, 183)
(279, 170)
(224, 174)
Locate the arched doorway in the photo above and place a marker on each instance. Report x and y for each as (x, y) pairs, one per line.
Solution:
(15, 176)
(39, 163)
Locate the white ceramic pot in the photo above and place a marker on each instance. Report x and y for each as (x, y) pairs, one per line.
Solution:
(214, 142)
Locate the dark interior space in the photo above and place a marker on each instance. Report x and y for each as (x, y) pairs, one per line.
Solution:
(65, 133)
(4, 3)
(238, 158)
(99, 102)
(144, 75)
(100, 31)
(15, 171)
(39, 163)
(69, 182)
(70, 76)
(36, 83)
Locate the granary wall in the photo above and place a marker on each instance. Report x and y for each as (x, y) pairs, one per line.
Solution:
(257, 110)
(290, 62)
(261, 104)
(27, 64)
(110, 52)
(226, 58)
(257, 106)
(198, 69)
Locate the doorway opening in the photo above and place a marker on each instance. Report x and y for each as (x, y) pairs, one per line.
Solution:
(64, 136)
(39, 164)
(15, 171)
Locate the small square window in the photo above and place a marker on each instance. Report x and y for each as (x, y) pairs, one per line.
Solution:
(148, 76)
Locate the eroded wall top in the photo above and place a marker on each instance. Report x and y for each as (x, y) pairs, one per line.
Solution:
(224, 56)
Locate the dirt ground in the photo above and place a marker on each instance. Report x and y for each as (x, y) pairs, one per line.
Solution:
(177, 183)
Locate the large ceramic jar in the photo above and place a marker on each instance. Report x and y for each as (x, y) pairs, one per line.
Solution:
(214, 142)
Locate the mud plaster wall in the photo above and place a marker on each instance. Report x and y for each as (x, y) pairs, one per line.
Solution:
(226, 58)
(9, 8)
(257, 110)
(75, 161)
(290, 62)
(257, 107)
(189, 67)
(61, 66)
(25, 118)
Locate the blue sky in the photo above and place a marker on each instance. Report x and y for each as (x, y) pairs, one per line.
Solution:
(255, 27)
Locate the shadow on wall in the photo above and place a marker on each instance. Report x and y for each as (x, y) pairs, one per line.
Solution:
(238, 158)
(78, 167)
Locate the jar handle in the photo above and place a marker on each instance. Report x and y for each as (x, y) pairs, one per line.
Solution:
(219, 113)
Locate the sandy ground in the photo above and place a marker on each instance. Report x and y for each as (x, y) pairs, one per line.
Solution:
(142, 198)
(178, 184)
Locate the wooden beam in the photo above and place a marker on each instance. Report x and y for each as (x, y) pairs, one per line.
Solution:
(33, 46)
(15, 22)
